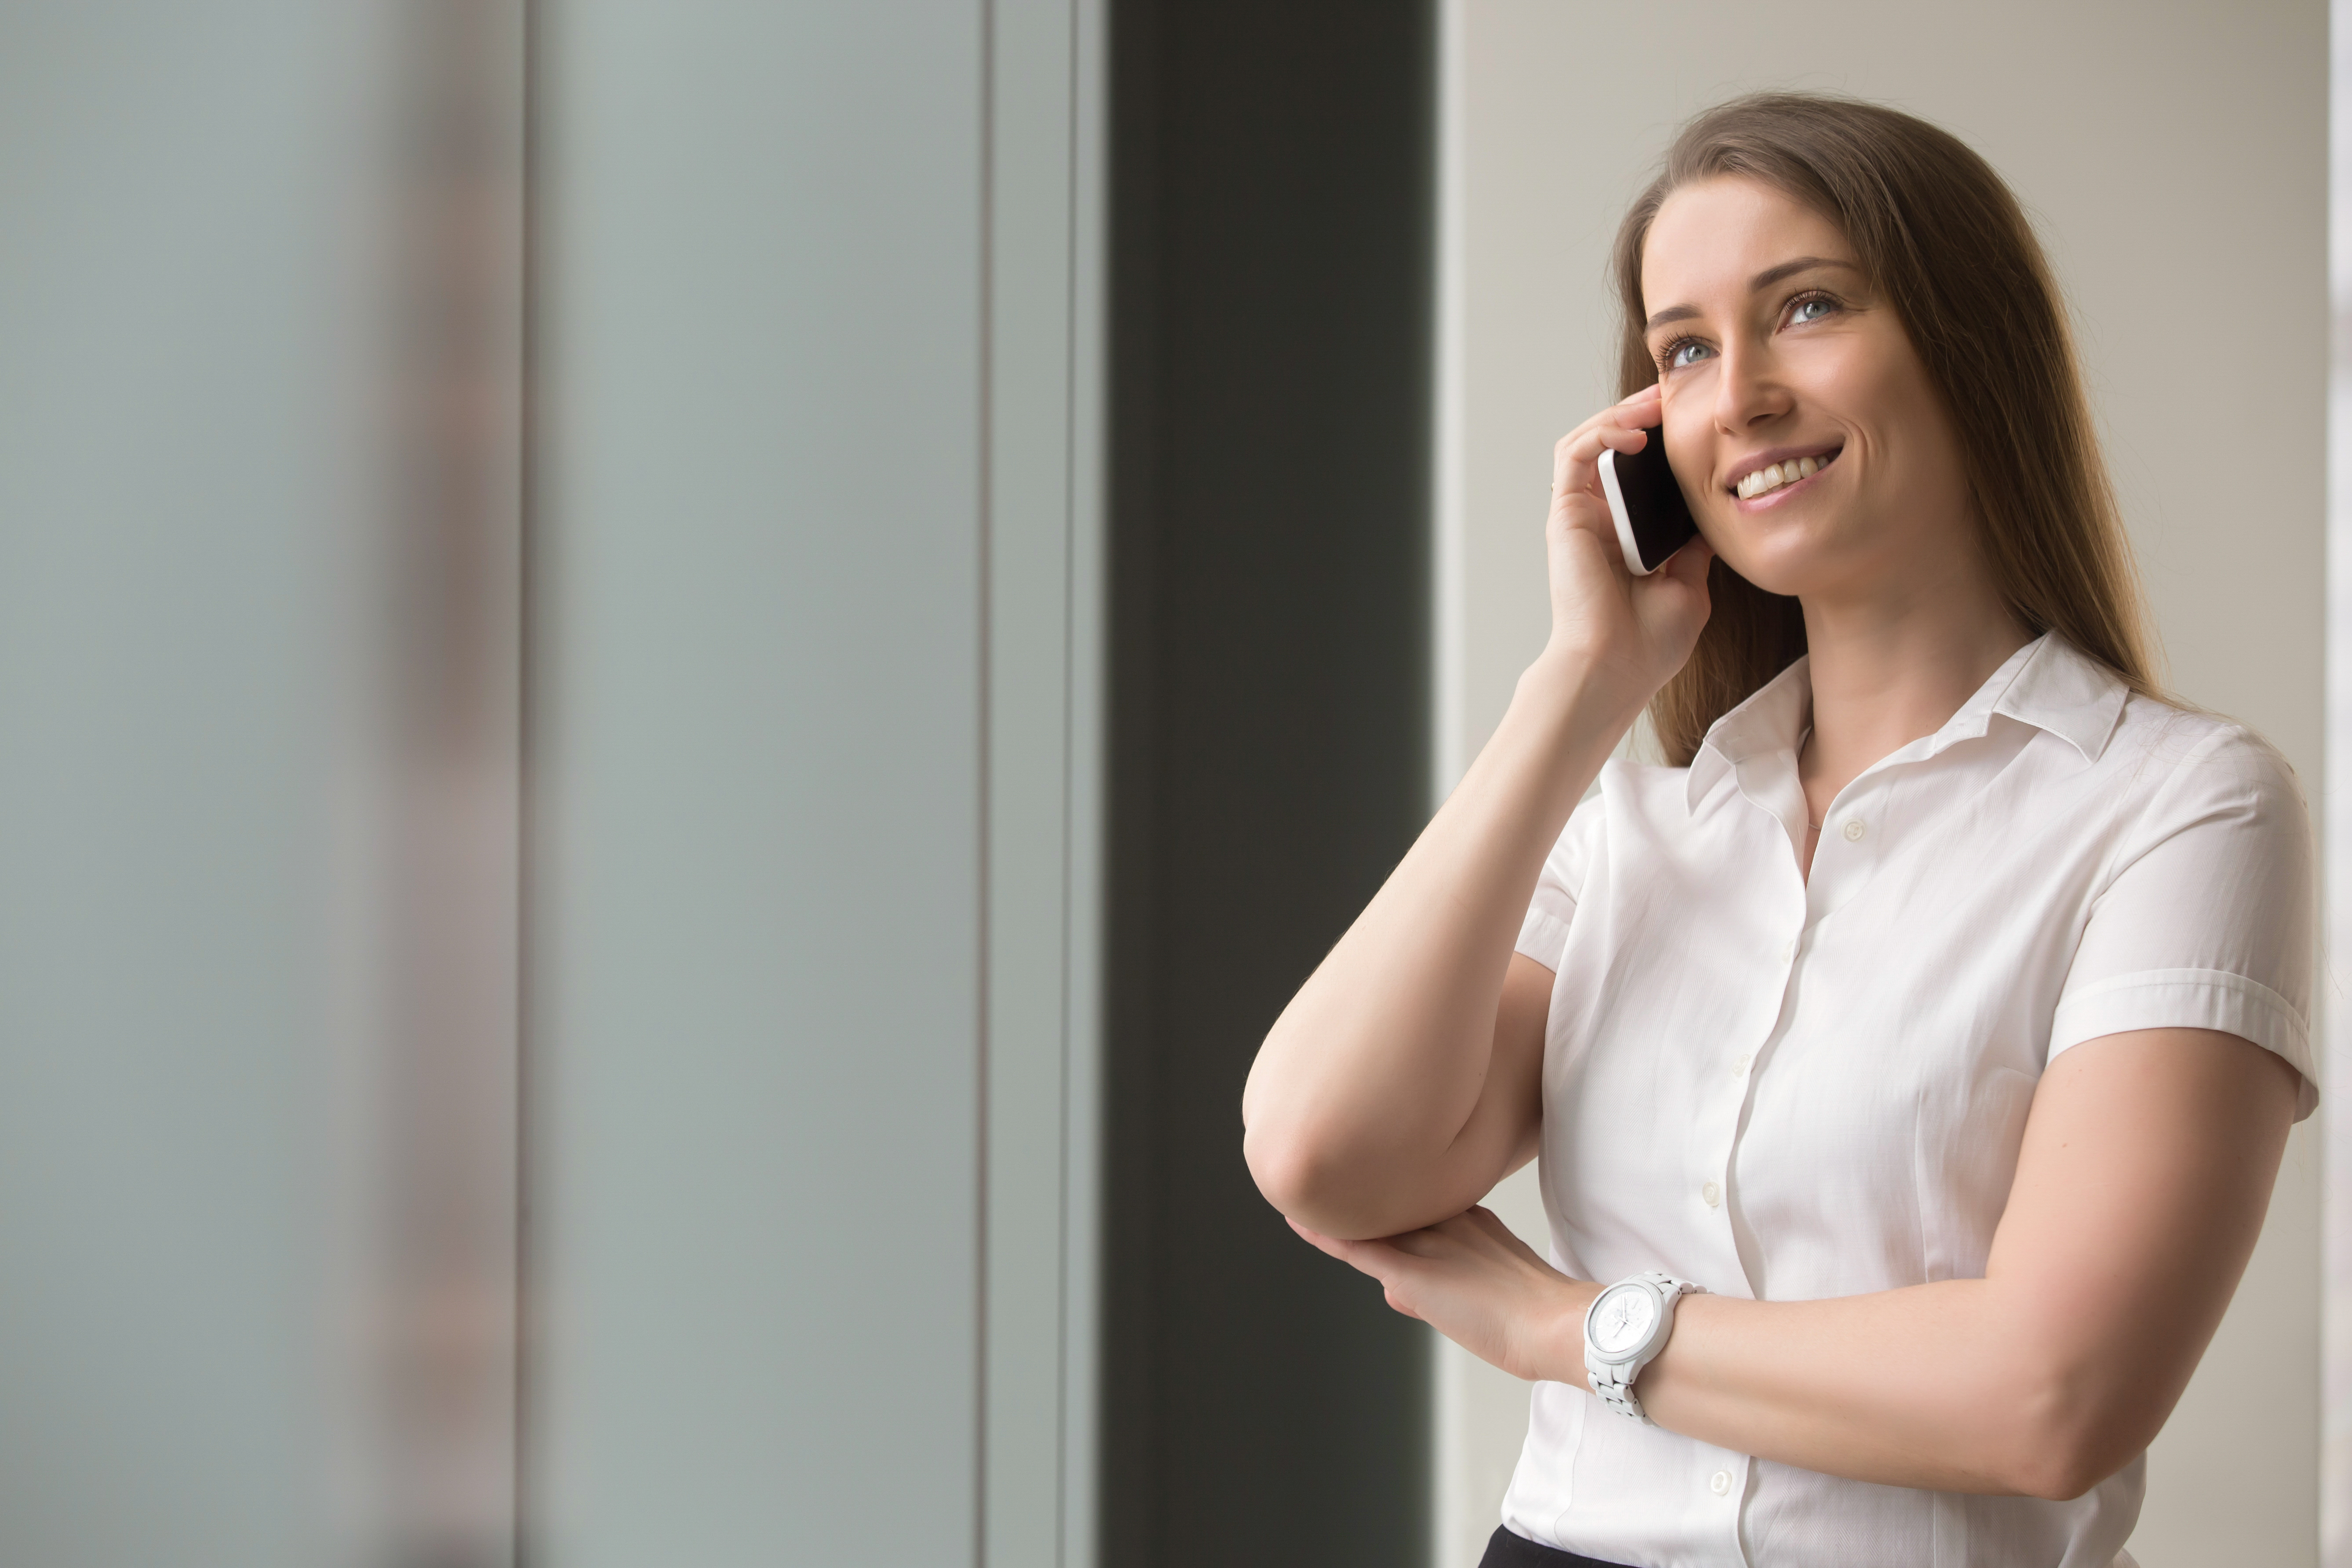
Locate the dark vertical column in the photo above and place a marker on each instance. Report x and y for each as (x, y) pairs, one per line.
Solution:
(1272, 207)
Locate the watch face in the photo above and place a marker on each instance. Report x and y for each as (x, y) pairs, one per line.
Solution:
(1622, 1318)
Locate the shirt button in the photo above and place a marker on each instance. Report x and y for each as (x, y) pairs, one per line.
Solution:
(1711, 1193)
(1719, 1483)
(1788, 949)
(1855, 829)
(1741, 1065)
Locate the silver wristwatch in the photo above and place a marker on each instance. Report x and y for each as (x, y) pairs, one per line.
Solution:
(1624, 1329)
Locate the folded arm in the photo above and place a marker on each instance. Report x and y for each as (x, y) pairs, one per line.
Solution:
(2146, 1166)
(1401, 1081)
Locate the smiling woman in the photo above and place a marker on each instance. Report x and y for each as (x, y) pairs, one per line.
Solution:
(1957, 267)
(1915, 1051)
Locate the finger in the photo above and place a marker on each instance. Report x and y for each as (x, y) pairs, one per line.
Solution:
(1481, 1230)
(1467, 1223)
(1690, 563)
(1639, 398)
(1398, 1304)
(1577, 467)
(1316, 1238)
(1432, 1242)
(1586, 440)
(1368, 1257)
(1639, 411)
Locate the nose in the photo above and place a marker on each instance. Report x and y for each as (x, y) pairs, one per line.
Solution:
(1747, 388)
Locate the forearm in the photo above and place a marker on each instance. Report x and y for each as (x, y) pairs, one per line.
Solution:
(1962, 1386)
(1928, 1386)
(2140, 1187)
(1999, 1385)
(1369, 1081)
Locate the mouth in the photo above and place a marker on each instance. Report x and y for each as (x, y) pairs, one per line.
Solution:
(1771, 479)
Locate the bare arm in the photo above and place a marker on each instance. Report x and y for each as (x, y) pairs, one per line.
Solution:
(1401, 1083)
(2146, 1169)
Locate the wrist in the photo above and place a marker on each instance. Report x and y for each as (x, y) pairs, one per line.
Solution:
(1580, 695)
(1560, 1351)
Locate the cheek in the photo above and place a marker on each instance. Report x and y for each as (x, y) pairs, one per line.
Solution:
(1900, 416)
(1688, 450)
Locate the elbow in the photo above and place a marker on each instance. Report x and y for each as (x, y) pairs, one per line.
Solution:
(1294, 1154)
(1288, 1172)
(1313, 1181)
(2056, 1472)
(2065, 1440)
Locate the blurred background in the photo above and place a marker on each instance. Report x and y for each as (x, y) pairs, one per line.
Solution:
(680, 683)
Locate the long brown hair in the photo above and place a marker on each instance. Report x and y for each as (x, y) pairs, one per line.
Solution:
(1945, 242)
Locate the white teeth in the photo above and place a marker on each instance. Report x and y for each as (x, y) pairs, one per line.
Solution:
(1772, 476)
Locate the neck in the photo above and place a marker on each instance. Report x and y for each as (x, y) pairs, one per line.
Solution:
(1887, 671)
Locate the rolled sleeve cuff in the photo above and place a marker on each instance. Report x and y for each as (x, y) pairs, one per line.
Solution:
(1543, 936)
(2185, 999)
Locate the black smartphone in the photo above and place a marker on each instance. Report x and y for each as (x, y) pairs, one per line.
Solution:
(1646, 501)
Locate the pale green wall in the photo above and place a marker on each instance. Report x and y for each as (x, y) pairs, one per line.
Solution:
(199, 757)
(811, 554)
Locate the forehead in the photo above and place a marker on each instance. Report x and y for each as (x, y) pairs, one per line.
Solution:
(1711, 236)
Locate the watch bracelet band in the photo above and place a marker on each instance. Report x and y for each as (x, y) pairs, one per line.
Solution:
(1619, 1396)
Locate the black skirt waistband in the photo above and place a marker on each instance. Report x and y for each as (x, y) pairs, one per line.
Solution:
(1504, 1550)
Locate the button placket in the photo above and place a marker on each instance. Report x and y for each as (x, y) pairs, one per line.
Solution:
(1726, 1079)
(1851, 845)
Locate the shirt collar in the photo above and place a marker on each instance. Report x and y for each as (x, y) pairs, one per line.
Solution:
(2065, 690)
(1772, 719)
(2048, 684)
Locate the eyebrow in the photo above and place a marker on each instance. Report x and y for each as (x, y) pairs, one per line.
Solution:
(1762, 281)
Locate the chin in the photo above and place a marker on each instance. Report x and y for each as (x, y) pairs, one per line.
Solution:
(1784, 565)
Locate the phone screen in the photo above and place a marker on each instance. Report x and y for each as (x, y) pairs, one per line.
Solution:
(1646, 501)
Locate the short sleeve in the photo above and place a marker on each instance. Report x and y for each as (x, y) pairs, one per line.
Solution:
(1543, 934)
(2207, 922)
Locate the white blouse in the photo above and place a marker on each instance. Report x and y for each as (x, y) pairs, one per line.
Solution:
(1790, 1089)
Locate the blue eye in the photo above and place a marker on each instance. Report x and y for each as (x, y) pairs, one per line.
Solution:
(1811, 309)
(1686, 352)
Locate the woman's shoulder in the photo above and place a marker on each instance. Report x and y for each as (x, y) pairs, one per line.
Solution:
(1633, 794)
(1622, 785)
(1635, 782)
(2172, 769)
(2173, 746)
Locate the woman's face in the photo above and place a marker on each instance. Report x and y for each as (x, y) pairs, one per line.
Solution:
(1773, 353)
